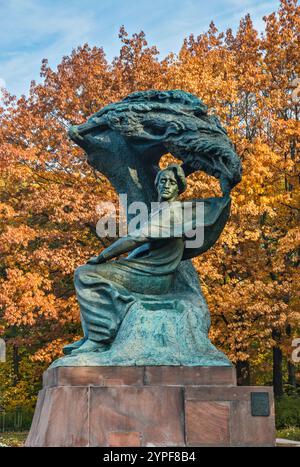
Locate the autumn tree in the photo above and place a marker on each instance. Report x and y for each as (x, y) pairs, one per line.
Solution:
(49, 194)
(250, 277)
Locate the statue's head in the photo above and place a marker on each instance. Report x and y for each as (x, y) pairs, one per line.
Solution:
(170, 182)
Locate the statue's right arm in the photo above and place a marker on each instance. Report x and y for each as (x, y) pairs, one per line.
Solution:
(122, 245)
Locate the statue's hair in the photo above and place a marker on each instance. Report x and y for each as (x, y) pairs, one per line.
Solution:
(179, 175)
(158, 122)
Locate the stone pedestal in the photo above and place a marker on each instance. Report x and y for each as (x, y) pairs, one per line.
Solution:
(151, 406)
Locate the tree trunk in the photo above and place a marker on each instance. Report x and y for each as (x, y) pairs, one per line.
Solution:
(290, 367)
(291, 374)
(277, 372)
(243, 373)
(16, 361)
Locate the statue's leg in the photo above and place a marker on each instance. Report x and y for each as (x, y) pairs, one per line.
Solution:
(103, 305)
(67, 349)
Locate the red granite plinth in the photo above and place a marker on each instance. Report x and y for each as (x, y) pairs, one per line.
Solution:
(148, 406)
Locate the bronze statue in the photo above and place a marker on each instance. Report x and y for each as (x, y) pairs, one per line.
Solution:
(147, 308)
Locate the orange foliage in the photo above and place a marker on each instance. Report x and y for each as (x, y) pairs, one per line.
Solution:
(49, 193)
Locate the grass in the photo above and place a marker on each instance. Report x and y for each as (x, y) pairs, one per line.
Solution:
(292, 433)
(13, 439)
(17, 439)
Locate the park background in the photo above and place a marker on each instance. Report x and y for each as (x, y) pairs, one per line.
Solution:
(49, 197)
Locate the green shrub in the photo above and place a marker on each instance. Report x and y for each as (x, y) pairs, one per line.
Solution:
(17, 420)
(287, 410)
(292, 433)
(290, 390)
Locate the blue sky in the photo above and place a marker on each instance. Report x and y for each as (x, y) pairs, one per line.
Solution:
(31, 30)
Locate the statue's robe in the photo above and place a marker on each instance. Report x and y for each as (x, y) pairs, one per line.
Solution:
(106, 291)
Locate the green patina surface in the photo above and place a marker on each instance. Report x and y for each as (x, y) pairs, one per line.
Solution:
(148, 309)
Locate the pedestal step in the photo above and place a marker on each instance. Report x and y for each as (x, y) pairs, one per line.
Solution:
(139, 376)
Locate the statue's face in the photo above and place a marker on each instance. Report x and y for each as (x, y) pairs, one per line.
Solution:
(167, 186)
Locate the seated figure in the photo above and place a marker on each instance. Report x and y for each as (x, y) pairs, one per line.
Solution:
(106, 289)
(148, 308)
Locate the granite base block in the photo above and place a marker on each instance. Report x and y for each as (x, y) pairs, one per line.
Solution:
(148, 406)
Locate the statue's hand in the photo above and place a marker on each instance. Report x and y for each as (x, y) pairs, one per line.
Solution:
(74, 133)
(97, 259)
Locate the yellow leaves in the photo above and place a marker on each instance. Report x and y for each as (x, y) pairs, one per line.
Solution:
(49, 352)
(6, 211)
(252, 235)
(290, 242)
(26, 297)
(16, 237)
(49, 194)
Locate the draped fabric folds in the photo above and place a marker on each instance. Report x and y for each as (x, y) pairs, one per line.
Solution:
(106, 291)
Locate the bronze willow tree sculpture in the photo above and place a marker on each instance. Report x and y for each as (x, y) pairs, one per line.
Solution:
(132, 313)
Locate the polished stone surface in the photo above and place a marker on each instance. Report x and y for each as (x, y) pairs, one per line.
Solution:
(148, 406)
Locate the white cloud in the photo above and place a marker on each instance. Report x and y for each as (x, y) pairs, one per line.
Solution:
(2, 83)
(32, 30)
